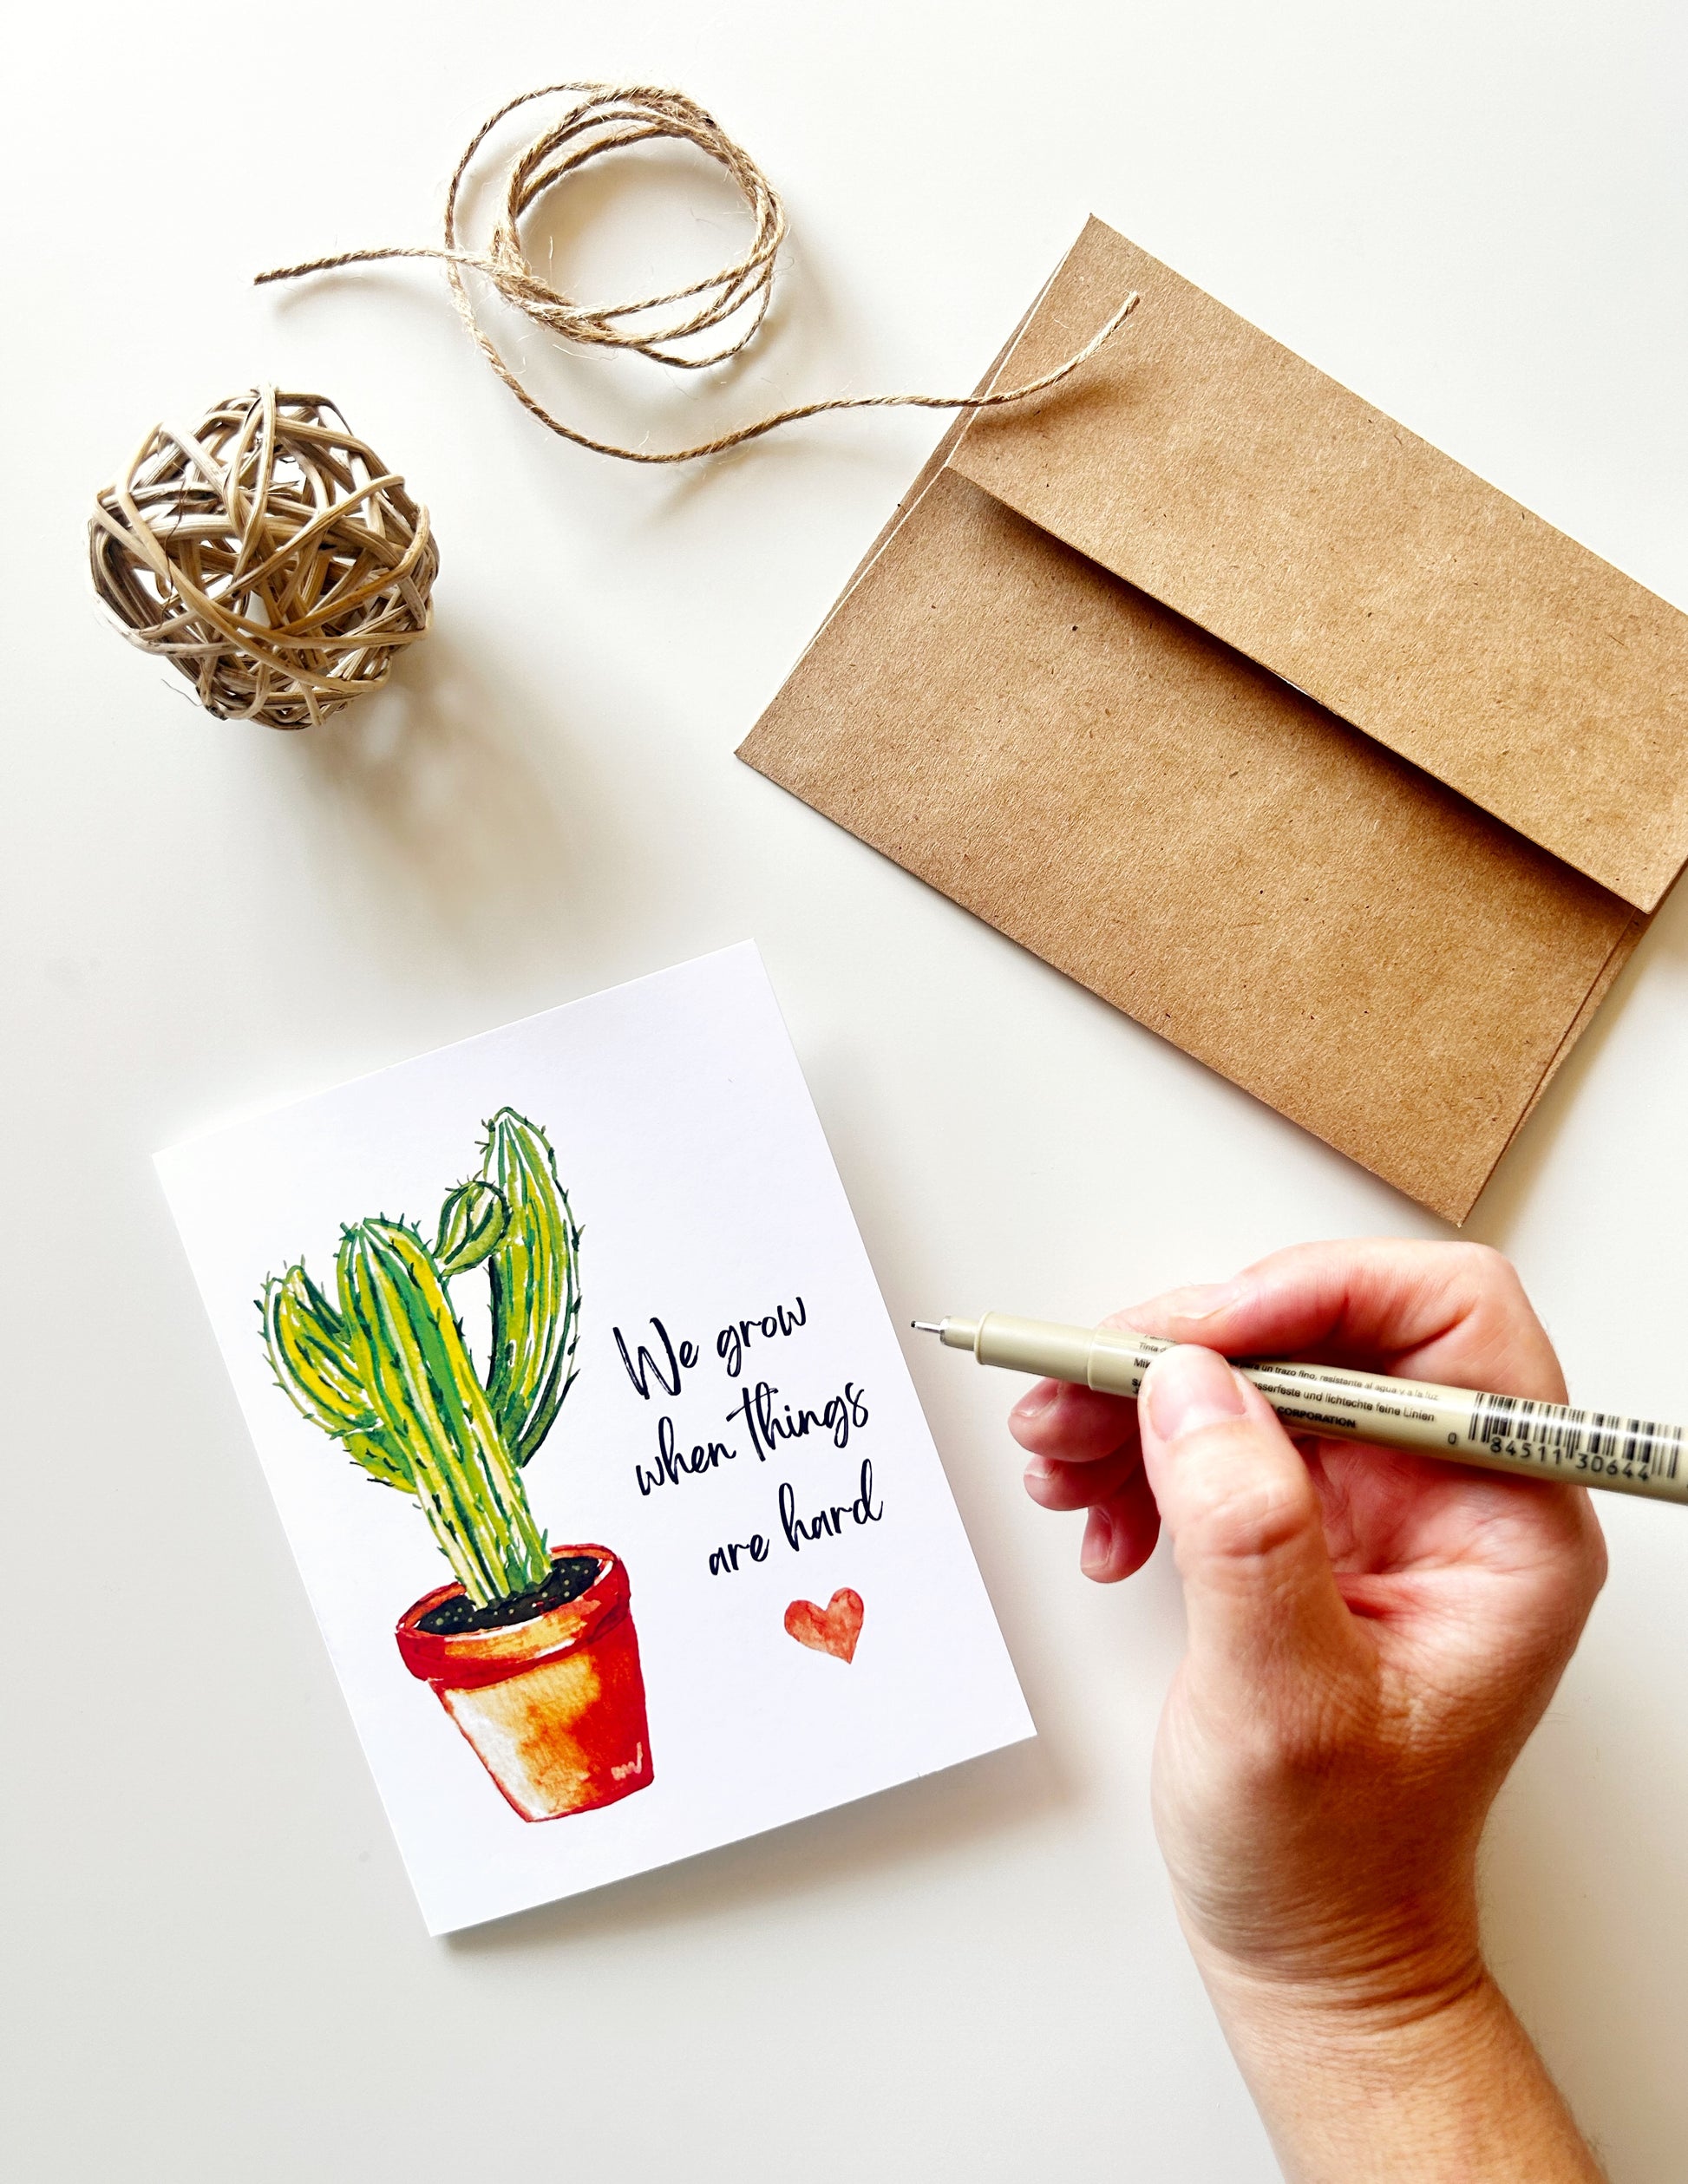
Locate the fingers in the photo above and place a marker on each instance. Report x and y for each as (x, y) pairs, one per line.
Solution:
(1124, 1523)
(1075, 1424)
(1245, 1517)
(1057, 1486)
(1121, 1532)
(1453, 1312)
(1085, 1456)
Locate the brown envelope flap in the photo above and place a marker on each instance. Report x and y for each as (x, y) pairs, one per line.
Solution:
(1201, 460)
(1208, 850)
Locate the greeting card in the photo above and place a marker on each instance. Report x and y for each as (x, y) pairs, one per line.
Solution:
(570, 1377)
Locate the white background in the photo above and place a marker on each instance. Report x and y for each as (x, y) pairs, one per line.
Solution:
(1472, 213)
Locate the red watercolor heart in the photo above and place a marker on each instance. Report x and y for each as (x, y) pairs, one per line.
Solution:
(833, 1629)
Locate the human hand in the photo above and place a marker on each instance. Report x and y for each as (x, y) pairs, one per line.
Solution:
(1372, 1635)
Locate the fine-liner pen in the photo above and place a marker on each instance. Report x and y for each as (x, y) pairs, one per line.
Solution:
(1503, 1433)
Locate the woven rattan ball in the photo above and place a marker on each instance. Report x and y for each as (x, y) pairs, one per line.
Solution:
(269, 555)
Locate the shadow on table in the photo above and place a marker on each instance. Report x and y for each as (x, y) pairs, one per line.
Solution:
(926, 1821)
(1586, 1890)
(1521, 1167)
(1586, 1916)
(459, 820)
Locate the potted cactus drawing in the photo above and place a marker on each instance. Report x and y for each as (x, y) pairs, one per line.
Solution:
(531, 1649)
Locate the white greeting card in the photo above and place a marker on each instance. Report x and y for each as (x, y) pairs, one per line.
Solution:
(597, 1450)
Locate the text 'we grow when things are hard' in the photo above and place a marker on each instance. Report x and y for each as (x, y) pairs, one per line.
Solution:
(766, 1422)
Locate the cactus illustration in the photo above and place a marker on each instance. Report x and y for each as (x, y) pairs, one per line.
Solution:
(535, 1282)
(310, 1352)
(384, 1368)
(472, 1220)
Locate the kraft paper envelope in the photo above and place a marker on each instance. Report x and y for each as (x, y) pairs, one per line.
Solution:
(1264, 720)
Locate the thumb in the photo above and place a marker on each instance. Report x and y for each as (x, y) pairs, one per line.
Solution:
(1244, 1514)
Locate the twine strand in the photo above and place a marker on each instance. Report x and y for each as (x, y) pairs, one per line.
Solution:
(610, 118)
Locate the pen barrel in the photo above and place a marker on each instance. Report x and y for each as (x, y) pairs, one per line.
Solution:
(1038, 1346)
(1500, 1433)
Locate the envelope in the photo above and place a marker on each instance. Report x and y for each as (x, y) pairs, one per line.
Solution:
(1264, 720)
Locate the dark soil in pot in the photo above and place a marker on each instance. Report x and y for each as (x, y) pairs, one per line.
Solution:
(571, 1575)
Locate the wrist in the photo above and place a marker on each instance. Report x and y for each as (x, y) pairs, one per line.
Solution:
(1426, 2079)
(1352, 1978)
(1349, 2009)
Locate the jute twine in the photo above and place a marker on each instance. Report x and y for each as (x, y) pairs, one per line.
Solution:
(270, 555)
(611, 118)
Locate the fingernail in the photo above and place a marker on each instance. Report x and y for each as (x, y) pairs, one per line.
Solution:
(1098, 1542)
(1188, 1389)
(1036, 1402)
(1037, 1472)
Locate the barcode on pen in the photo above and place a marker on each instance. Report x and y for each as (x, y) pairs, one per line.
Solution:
(1601, 1442)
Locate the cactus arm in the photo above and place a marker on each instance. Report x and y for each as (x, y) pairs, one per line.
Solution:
(472, 1220)
(535, 1285)
(410, 1356)
(310, 1354)
(385, 1463)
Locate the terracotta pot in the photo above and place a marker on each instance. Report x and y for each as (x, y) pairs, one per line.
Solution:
(554, 1707)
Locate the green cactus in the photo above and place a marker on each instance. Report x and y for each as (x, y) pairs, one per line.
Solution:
(535, 1277)
(413, 1363)
(310, 1350)
(472, 1220)
(387, 1371)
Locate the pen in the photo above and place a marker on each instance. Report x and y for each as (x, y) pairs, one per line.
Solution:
(1462, 1425)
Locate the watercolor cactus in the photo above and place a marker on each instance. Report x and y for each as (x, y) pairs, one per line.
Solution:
(531, 1649)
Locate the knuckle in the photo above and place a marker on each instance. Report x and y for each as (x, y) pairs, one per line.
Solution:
(1488, 1270)
(1595, 1561)
(1500, 1327)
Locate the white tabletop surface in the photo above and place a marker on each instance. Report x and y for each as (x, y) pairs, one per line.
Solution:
(1472, 211)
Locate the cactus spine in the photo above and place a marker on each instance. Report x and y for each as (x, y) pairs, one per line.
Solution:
(386, 1370)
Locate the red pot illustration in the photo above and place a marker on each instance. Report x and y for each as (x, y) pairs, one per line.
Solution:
(555, 1706)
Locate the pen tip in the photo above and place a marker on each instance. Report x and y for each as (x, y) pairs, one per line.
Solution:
(927, 1326)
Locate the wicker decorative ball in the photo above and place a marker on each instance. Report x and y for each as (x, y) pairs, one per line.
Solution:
(269, 555)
